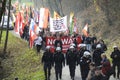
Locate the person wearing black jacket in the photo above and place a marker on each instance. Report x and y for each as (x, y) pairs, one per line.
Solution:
(81, 50)
(58, 42)
(47, 60)
(72, 61)
(88, 42)
(103, 45)
(59, 62)
(84, 64)
(26, 32)
(97, 55)
(116, 61)
(94, 45)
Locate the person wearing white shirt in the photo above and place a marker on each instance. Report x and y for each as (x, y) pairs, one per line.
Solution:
(38, 43)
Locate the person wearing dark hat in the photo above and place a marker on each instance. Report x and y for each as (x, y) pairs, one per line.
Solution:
(115, 55)
(72, 61)
(59, 62)
(47, 60)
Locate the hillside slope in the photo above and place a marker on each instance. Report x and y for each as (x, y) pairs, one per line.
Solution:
(103, 16)
(20, 61)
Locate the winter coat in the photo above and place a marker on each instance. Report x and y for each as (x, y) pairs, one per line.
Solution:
(115, 59)
(47, 58)
(97, 57)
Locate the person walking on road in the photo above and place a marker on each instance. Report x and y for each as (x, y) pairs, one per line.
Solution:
(116, 61)
(84, 64)
(71, 58)
(47, 60)
(97, 55)
(81, 50)
(38, 43)
(59, 61)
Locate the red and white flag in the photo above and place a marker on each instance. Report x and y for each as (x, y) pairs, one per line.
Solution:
(43, 20)
(85, 30)
(33, 36)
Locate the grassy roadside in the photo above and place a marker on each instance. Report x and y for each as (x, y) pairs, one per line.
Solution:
(21, 61)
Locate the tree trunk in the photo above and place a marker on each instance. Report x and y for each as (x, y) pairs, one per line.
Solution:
(7, 32)
(1, 29)
(62, 14)
(3, 8)
(1, 14)
(107, 12)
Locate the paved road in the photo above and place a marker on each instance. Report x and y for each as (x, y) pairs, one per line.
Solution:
(66, 74)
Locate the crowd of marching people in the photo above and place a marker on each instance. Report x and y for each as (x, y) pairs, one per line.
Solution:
(90, 55)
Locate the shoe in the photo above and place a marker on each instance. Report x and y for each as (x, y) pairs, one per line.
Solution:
(118, 78)
(114, 76)
(48, 78)
(60, 78)
(73, 78)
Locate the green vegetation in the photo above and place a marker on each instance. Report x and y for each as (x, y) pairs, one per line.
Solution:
(20, 61)
(27, 2)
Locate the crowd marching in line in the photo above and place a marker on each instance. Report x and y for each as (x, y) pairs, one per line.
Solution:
(90, 54)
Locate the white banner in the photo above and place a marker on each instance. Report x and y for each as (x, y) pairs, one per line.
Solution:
(57, 25)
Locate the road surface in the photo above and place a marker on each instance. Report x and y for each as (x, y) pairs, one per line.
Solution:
(66, 74)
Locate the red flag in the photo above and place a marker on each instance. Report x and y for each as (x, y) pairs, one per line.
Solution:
(17, 23)
(22, 24)
(85, 30)
(33, 36)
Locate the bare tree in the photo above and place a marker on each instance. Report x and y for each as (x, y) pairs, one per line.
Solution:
(2, 8)
(7, 32)
(3, 5)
